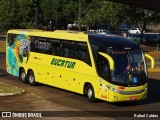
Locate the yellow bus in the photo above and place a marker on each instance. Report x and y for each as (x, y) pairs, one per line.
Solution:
(106, 67)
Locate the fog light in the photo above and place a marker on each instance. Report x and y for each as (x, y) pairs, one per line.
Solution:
(115, 97)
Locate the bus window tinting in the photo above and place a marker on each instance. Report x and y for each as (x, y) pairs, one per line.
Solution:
(103, 69)
(64, 51)
(83, 53)
(40, 45)
(72, 52)
(45, 45)
(11, 39)
(64, 48)
(68, 49)
(55, 47)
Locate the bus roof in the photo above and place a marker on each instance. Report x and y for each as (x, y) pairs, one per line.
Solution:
(113, 41)
(59, 34)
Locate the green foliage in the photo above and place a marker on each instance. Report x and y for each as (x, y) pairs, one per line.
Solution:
(14, 14)
(21, 13)
(104, 12)
(59, 11)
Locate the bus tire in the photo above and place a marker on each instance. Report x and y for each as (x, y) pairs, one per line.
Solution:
(31, 78)
(23, 76)
(90, 94)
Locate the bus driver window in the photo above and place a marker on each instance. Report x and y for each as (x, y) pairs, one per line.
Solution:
(103, 67)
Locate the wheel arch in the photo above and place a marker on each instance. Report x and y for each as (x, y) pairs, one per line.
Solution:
(21, 68)
(89, 86)
(29, 70)
(85, 87)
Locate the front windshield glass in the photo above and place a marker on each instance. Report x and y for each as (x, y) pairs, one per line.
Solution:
(129, 68)
(105, 31)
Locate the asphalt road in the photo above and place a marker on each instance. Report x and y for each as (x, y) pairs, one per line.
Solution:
(45, 98)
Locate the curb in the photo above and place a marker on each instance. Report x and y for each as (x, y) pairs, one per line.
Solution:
(10, 94)
(17, 91)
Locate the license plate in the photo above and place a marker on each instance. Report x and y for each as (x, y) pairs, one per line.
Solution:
(132, 97)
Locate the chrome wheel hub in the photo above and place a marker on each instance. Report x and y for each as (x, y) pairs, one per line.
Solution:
(23, 76)
(90, 93)
(31, 78)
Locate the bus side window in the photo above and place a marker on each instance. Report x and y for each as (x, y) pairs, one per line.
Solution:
(95, 49)
(83, 53)
(68, 49)
(64, 51)
(55, 47)
(40, 45)
(33, 48)
(11, 39)
(72, 52)
(103, 67)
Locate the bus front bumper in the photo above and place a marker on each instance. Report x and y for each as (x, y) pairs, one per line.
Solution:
(127, 96)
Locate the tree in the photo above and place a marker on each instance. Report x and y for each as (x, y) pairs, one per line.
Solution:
(105, 12)
(61, 12)
(15, 14)
(140, 17)
(21, 13)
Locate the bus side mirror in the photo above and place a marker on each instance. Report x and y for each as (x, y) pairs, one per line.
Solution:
(152, 60)
(109, 58)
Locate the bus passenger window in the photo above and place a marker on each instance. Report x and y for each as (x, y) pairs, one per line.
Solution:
(55, 47)
(65, 52)
(33, 48)
(53, 51)
(40, 45)
(11, 39)
(72, 52)
(83, 53)
(68, 49)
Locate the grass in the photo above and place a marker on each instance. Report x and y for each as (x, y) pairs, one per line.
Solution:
(7, 89)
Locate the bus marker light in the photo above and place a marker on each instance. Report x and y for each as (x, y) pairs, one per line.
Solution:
(121, 88)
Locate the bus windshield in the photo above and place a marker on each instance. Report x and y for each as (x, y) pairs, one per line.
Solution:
(129, 67)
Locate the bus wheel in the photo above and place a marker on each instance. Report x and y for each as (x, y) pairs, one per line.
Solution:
(31, 78)
(22, 76)
(90, 94)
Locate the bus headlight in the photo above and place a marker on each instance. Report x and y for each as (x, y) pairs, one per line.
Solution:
(128, 92)
(145, 89)
(116, 90)
(113, 89)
